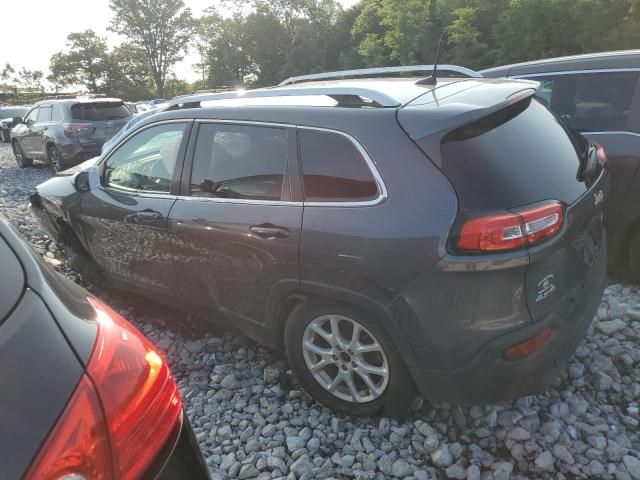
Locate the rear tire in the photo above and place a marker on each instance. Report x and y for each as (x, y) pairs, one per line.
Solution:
(21, 160)
(55, 158)
(346, 361)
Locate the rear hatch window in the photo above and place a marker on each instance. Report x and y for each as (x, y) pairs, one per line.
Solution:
(100, 111)
(517, 156)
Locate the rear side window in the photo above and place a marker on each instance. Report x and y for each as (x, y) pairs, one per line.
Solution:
(241, 162)
(102, 111)
(519, 155)
(333, 169)
(591, 102)
(44, 114)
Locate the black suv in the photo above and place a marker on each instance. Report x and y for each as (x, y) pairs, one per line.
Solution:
(67, 132)
(8, 117)
(599, 95)
(384, 232)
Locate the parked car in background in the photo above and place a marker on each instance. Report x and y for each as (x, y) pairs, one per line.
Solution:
(132, 107)
(85, 394)
(383, 232)
(599, 95)
(8, 120)
(155, 109)
(67, 132)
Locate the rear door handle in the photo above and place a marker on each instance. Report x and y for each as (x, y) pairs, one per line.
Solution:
(269, 231)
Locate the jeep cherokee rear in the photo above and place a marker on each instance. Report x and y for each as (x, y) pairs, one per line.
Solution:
(391, 233)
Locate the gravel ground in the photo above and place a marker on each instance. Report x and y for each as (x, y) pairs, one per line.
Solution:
(253, 421)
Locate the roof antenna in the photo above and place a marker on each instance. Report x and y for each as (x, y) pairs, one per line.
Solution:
(431, 79)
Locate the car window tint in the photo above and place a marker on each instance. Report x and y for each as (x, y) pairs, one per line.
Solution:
(242, 162)
(44, 114)
(101, 111)
(31, 118)
(333, 169)
(57, 114)
(591, 102)
(146, 162)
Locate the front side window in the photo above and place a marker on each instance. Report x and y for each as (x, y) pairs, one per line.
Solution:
(146, 162)
(240, 162)
(333, 169)
(31, 118)
(44, 114)
(591, 102)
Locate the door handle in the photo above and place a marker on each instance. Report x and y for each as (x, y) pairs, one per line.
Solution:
(149, 215)
(269, 231)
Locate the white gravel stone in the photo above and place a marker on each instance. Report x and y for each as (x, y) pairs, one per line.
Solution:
(611, 327)
(633, 466)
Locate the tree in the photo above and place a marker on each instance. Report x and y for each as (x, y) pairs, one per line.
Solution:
(84, 63)
(162, 28)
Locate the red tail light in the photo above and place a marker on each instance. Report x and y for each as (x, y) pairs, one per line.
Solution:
(122, 413)
(77, 129)
(511, 231)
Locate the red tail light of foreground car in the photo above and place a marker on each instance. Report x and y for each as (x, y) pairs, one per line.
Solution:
(123, 411)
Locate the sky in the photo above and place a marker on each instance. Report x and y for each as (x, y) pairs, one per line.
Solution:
(33, 30)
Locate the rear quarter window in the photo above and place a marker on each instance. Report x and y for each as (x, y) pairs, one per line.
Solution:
(99, 111)
(333, 169)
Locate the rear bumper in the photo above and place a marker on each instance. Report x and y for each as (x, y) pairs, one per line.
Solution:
(75, 153)
(185, 461)
(487, 378)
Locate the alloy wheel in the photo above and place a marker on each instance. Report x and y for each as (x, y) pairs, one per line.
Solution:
(345, 358)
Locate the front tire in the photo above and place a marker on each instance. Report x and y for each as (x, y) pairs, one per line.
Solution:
(21, 160)
(346, 361)
(6, 138)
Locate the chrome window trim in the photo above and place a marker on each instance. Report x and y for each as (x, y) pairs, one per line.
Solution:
(620, 132)
(576, 72)
(138, 193)
(382, 189)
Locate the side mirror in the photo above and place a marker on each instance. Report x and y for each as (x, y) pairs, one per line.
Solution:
(17, 121)
(81, 182)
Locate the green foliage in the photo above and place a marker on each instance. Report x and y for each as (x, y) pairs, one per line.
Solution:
(162, 29)
(21, 86)
(262, 42)
(88, 63)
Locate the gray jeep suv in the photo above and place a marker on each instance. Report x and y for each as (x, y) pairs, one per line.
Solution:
(598, 94)
(67, 132)
(385, 233)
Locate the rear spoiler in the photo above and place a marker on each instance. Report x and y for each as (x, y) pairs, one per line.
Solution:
(446, 108)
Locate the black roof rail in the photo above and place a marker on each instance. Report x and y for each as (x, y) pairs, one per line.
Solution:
(345, 96)
(383, 72)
